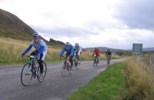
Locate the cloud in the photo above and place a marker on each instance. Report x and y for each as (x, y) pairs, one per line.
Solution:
(136, 13)
(91, 23)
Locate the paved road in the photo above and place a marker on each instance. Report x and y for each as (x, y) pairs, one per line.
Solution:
(54, 86)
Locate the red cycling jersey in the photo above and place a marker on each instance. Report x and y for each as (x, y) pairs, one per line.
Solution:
(96, 51)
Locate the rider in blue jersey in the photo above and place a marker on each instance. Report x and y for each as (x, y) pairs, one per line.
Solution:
(69, 52)
(41, 50)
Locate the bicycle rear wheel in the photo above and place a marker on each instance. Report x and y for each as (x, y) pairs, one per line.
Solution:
(43, 74)
(26, 74)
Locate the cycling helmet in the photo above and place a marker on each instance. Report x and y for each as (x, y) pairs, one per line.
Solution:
(77, 44)
(67, 43)
(35, 35)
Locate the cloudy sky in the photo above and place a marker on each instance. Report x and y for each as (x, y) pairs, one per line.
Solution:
(91, 23)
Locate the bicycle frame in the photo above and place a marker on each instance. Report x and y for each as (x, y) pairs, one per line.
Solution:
(66, 67)
(67, 63)
(30, 71)
(32, 61)
(95, 60)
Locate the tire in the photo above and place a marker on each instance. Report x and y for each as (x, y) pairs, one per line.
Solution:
(24, 77)
(108, 60)
(76, 63)
(95, 62)
(65, 70)
(44, 72)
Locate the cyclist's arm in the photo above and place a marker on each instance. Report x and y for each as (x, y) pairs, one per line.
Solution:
(62, 51)
(72, 51)
(27, 50)
(80, 50)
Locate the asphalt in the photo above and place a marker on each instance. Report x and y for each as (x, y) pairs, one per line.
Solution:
(54, 87)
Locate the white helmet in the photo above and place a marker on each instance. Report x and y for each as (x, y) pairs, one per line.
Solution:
(77, 44)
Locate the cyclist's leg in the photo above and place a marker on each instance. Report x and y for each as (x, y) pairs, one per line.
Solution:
(67, 54)
(71, 60)
(41, 65)
(42, 57)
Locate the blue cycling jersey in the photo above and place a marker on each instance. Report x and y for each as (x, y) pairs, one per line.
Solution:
(40, 46)
(69, 50)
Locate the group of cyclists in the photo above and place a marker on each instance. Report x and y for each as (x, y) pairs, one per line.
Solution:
(41, 50)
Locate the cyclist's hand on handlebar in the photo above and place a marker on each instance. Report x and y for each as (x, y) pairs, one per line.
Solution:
(22, 56)
(35, 58)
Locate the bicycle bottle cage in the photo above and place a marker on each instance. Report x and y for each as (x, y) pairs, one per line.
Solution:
(31, 56)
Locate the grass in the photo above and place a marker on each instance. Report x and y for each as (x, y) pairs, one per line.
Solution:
(12, 49)
(129, 80)
(139, 77)
(106, 86)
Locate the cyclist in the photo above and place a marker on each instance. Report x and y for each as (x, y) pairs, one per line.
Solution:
(69, 52)
(40, 50)
(78, 50)
(108, 54)
(97, 53)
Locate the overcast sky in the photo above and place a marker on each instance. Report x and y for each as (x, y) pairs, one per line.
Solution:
(91, 23)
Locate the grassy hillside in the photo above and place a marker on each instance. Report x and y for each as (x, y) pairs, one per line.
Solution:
(12, 27)
(15, 36)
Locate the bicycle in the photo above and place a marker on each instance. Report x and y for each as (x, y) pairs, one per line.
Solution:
(95, 60)
(108, 59)
(32, 70)
(76, 61)
(66, 69)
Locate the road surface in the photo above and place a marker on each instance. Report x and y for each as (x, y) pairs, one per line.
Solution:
(54, 87)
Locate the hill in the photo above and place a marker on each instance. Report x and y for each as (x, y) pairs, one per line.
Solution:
(104, 49)
(148, 49)
(12, 27)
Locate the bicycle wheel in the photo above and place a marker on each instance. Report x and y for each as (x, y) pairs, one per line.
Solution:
(95, 63)
(26, 74)
(76, 64)
(43, 74)
(65, 70)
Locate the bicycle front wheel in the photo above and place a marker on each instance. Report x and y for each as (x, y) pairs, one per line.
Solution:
(76, 64)
(65, 70)
(95, 63)
(26, 74)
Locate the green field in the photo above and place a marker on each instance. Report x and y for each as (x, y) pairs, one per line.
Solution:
(130, 80)
(106, 86)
